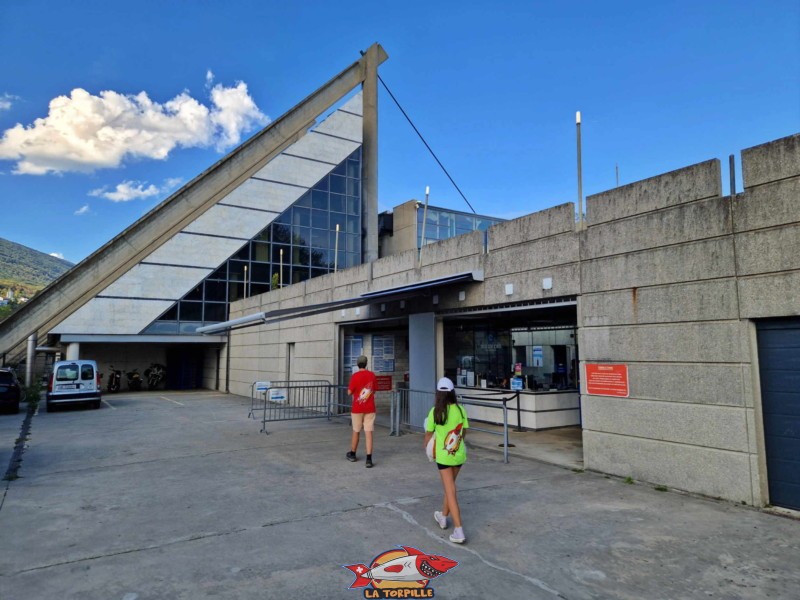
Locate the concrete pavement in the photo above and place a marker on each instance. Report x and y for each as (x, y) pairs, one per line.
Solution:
(178, 495)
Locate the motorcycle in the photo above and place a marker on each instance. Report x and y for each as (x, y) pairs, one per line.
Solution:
(154, 375)
(134, 380)
(114, 380)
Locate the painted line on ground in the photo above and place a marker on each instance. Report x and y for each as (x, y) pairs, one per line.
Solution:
(108, 404)
(171, 400)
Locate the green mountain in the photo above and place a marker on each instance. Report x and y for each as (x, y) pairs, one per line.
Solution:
(24, 268)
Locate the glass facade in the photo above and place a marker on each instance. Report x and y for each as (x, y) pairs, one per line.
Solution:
(441, 224)
(299, 244)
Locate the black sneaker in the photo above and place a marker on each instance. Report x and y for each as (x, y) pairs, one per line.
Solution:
(369, 463)
(351, 456)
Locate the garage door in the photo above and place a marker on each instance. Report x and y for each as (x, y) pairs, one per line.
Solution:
(779, 361)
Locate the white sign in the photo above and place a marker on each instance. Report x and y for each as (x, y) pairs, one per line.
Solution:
(277, 395)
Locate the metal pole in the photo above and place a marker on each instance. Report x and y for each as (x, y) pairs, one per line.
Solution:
(580, 173)
(245, 281)
(732, 169)
(505, 433)
(31, 359)
(424, 220)
(280, 273)
(336, 251)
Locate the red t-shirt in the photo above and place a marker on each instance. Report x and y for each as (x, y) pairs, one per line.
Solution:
(363, 385)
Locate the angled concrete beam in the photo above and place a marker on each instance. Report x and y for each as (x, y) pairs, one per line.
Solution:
(84, 281)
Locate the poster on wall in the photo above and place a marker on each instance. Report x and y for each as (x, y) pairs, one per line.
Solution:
(537, 356)
(353, 348)
(383, 353)
(607, 380)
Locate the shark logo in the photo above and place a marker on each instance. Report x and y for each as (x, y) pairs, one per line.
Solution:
(452, 441)
(406, 572)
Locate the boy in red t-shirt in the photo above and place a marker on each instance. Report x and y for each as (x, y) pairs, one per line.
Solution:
(362, 388)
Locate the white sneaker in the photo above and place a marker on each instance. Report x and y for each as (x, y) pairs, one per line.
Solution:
(458, 537)
(440, 519)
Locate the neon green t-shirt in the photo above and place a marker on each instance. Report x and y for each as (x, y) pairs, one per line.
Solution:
(450, 447)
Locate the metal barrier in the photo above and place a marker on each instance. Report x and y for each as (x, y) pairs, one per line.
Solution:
(403, 399)
(296, 400)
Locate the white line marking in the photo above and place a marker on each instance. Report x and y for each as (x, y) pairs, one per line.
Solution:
(171, 400)
(108, 404)
(540, 584)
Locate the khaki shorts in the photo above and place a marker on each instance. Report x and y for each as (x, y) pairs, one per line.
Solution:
(365, 419)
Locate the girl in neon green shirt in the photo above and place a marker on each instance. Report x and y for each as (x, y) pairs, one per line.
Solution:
(447, 421)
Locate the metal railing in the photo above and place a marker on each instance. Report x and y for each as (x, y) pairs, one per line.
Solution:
(296, 400)
(404, 401)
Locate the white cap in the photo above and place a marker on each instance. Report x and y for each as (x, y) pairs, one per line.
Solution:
(444, 385)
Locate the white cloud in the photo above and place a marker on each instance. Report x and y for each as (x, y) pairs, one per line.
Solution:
(125, 191)
(83, 132)
(83, 210)
(134, 190)
(6, 100)
(209, 78)
(57, 255)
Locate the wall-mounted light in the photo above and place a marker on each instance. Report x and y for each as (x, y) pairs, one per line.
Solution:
(509, 289)
(547, 283)
(462, 296)
(436, 298)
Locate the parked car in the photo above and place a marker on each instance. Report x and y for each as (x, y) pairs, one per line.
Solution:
(74, 381)
(10, 391)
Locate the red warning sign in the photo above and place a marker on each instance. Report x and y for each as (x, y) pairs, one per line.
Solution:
(607, 380)
(384, 383)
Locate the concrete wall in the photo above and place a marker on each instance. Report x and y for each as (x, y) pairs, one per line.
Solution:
(668, 274)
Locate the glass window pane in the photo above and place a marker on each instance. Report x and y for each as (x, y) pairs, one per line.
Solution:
(235, 291)
(259, 288)
(353, 243)
(322, 184)
(260, 251)
(341, 169)
(319, 238)
(190, 327)
(318, 272)
(244, 253)
(301, 236)
(319, 257)
(305, 200)
(235, 271)
(221, 273)
(353, 168)
(276, 253)
(352, 259)
(300, 256)
(353, 187)
(338, 203)
(301, 216)
(353, 225)
(216, 291)
(340, 220)
(260, 272)
(319, 219)
(299, 274)
(319, 200)
(353, 206)
(215, 312)
(170, 315)
(338, 184)
(195, 294)
(191, 311)
(281, 233)
(163, 327)
(285, 218)
(264, 236)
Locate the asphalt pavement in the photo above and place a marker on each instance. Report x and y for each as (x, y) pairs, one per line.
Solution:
(179, 496)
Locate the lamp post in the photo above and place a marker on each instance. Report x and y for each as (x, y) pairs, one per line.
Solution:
(580, 173)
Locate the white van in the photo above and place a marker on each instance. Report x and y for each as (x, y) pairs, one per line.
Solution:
(74, 381)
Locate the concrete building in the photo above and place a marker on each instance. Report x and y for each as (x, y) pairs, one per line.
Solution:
(666, 327)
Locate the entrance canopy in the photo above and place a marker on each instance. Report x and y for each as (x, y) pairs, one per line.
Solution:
(396, 293)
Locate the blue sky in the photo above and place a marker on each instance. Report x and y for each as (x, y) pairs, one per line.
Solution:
(493, 86)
